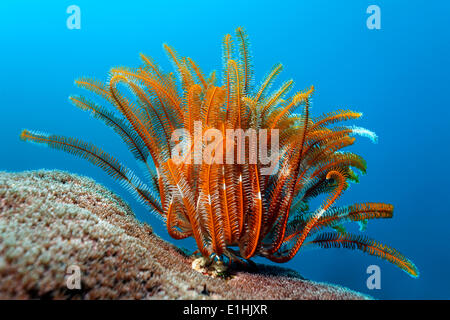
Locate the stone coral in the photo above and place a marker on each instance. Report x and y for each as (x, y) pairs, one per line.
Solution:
(50, 220)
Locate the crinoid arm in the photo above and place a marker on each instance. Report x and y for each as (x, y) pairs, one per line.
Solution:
(132, 140)
(99, 158)
(367, 245)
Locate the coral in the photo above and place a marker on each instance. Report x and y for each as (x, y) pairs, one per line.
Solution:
(237, 202)
(50, 220)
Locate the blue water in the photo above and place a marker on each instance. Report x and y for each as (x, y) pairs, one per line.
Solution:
(398, 77)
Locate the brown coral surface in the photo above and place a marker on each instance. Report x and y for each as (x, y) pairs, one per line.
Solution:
(50, 220)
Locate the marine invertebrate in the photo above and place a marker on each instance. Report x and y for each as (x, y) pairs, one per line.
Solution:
(229, 205)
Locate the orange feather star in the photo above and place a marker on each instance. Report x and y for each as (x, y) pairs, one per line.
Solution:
(226, 204)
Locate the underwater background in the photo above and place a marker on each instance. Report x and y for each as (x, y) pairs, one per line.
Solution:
(398, 77)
